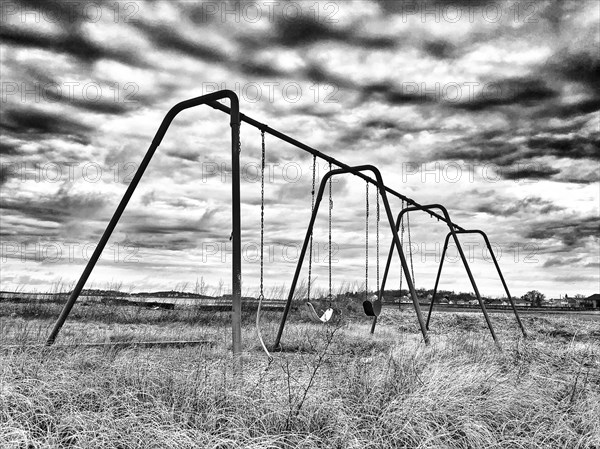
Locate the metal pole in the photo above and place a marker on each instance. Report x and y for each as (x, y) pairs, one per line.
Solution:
(489, 247)
(236, 263)
(437, 279)
(204, 99)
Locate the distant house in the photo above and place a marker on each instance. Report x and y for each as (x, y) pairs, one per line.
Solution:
(572, 302)
(521, 302)
(592, 302)
(444, 300)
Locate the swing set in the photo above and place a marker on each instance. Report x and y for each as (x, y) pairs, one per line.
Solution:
(371, 308)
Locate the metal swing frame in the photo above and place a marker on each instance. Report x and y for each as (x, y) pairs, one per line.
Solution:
(236, 118)
(396, 241)
(493, 256)
(454, 234)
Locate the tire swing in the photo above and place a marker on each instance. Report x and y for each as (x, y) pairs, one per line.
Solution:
(310, 308)
(371, 308)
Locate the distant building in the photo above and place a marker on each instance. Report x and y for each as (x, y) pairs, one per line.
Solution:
(592, 302)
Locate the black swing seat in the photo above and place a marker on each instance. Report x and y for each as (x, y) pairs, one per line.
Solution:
(372, 308)
(312, 313)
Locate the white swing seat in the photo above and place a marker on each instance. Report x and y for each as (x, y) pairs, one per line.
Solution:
(312, 313)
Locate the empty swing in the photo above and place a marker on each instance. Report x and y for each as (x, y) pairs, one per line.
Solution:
(371, 308)
(312, 313)
(261, 295)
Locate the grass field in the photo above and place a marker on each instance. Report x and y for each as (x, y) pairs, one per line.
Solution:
(334, 386)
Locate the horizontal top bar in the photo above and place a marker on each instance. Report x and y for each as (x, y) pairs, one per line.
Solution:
(317, 153)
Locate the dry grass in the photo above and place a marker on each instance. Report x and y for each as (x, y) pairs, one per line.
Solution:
(334, 387)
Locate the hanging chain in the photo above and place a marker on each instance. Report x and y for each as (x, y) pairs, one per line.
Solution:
(330, 212)
(261, 296)
(412, 269)
(401, 245)
(262, 214)
(378, 240)
(367, 243)
(312, 209)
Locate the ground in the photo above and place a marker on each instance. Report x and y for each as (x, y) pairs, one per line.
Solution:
(334, 386)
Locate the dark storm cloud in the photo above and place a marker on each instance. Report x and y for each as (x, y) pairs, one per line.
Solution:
(479, 148)
(521, 162)
(39, 123)
(566, 111)
(380, 124)
(169, 38)
(529, 172)
(505, 207)
(61, 207)
(572, 232)
(562, 261)
(319, 74)
(512, 91)
(72, 43)
(254, 68)
(185, 155)
(10, 149)
(99, 107)
(391, 94)
(440, 49)
(581, 67)
(572, 146)
(304, 30)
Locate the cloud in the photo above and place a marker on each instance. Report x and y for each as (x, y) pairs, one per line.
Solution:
(440, 49)
(61, 207)
(511, 91)
(570, 146)
(169, 38)
(529, 172)
(72, 43)
(581, 67)
(304, 30)
(531, 205)
(562, 261)
(572, 232)
(29, 121)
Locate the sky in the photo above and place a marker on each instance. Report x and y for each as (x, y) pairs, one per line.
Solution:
(489, 108)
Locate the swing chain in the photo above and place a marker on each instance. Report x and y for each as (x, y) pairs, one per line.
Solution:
(367, 243)
(262, 214)
(261, 296)
(330, 213)
(312, 208)
(377, 234)
(412, 269)
(401, 245)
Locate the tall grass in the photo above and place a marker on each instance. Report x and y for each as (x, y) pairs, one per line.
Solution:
(333, 387)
